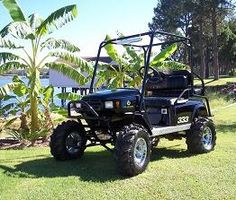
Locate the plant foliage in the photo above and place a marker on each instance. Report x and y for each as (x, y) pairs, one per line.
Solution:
(34, 50)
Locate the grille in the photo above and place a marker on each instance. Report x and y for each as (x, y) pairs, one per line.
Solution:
(96, 105)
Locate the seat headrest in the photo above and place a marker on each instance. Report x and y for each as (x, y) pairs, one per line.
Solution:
(184, 73)
(169, 82)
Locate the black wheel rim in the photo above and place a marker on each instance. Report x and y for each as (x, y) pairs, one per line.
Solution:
(73, 143)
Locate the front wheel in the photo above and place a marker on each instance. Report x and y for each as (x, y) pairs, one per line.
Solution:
(202, 136)
(68, 141)
(132, 150)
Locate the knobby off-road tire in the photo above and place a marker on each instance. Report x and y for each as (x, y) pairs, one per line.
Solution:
(202, 136)
(68, 141)
(132, 150)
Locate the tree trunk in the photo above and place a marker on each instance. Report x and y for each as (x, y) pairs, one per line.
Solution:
(215, 45)
(23, 123)
(207, 72)
(34, 113)
(48, 124)
(202, 50)
(34, 94)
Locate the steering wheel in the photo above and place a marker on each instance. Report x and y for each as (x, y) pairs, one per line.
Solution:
(152, 74)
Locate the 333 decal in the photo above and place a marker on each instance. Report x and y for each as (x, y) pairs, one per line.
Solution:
(182, 119)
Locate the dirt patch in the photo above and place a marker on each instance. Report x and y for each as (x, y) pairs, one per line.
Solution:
(10, 143)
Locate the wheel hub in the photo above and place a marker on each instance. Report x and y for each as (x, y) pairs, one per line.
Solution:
(140, 152)
(207, 138)
(73, 143)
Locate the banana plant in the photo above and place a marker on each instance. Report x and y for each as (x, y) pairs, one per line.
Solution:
(27, 44)
(16, 103)
(69, 96)
(128, 65)
(17, 107)
(124, 72)
(46, 100)
(161, 62)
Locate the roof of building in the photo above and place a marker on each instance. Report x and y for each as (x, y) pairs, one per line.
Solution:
(105, 59)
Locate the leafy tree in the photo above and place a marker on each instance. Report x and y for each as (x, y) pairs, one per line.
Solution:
(175, 17)
(27, 44)
(227, 46)
(196, 19)
(172, 16)
(217, 9)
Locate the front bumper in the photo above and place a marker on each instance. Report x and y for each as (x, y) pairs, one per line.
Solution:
(85, 111)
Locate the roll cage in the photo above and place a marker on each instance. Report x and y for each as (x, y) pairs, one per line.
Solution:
(132, 41)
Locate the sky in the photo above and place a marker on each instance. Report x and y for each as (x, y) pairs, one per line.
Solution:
(96, 18)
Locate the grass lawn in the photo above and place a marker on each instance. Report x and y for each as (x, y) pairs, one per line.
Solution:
(221, 81)
(172, 173)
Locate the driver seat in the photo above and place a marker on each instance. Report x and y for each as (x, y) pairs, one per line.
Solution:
(164, 92)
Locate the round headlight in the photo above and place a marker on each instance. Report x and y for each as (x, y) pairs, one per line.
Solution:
(109, 105)
(78, 105)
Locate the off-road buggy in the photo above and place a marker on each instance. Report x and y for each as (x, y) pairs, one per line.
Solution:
(133, 120)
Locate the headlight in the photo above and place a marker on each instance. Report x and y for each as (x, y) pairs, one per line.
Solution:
(109, 105)
(78, 105)
(73, 109)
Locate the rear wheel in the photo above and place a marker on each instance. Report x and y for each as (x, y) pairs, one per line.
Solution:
(202, 136)
(132, 150)
(68, 141)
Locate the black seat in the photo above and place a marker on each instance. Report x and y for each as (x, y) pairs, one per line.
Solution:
(169, 86)
(184, 73)
(157, 101)
(164, 92)
(168, 82)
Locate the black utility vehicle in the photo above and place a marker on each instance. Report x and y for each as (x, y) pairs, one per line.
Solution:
(133, 120)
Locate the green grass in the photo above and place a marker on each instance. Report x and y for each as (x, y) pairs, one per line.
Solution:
(218, 100)
(221, 81)
(172, 173)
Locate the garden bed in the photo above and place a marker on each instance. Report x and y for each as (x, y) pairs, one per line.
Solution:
(11, 143)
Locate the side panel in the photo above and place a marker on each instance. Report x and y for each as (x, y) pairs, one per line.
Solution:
(186, 112)
(183, 114)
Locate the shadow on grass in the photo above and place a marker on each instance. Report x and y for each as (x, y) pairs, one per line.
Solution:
(223, 128)
(93, 166)
(162, 153)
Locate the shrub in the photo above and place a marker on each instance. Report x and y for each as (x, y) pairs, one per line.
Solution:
(232, 72)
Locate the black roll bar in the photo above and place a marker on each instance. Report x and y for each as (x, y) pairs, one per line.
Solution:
(96, 66)
(147, 60)
(146, 48)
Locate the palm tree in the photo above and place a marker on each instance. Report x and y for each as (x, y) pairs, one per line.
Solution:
(26, 44)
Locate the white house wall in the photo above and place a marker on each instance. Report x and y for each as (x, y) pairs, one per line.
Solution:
(57, 79)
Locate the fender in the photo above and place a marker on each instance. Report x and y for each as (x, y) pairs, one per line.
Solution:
(200, 110)
(140, 118)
